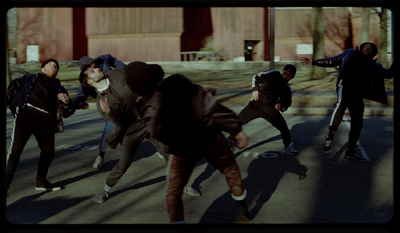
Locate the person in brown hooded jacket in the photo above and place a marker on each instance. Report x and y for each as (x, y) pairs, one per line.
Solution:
(174, 108)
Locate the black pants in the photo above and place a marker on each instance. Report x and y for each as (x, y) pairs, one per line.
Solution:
(27, 122)
(348, 99)
(256, 109)
(134, 136)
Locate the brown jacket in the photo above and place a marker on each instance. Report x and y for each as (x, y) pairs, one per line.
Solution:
(185, 116)
(122, 102)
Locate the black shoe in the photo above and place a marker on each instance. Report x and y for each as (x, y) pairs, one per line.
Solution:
(351, 155)
(243, 215)
(46, 186)
(328, 145)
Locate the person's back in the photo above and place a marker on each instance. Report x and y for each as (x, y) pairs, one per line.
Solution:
(188, 119)
(186, 116)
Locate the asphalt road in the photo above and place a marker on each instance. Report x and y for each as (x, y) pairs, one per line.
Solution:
(312, 187)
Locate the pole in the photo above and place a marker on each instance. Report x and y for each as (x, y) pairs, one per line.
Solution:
(272, 38)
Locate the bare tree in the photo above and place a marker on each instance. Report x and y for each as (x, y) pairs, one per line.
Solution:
(365, 25)
(383, 38)
(8, 80)
(317, 28)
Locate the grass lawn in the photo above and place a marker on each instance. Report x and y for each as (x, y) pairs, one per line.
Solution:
(236, 79)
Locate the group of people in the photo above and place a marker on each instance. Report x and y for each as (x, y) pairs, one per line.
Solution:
(137, 102)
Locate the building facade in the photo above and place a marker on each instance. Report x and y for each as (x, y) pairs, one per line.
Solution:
(161, 34)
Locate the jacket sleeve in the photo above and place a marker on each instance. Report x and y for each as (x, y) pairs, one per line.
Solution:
(66, 110)
(12, 90)
(383, 72)
(212, 113)
(81, 96)
(286, 99)
(255, 82)
(117, 115)
(113, 62)
(332, 61)
(117, 64)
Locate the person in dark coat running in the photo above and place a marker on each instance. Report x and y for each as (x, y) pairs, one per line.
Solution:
(359, 77)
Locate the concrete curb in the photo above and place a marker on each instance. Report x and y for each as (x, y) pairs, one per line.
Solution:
(310, 111)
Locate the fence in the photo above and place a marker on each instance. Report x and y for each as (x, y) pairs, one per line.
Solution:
(203, 56)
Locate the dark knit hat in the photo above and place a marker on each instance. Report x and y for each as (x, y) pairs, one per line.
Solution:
(374, 48)
(143, 78)
(49, 60)
(84, 61)
(291, 68)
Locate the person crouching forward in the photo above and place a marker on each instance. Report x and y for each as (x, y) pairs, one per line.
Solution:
(174, 108)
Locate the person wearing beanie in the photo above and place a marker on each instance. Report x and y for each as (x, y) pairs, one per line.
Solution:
(359, 77)
(38, 103)
(271, 95)
(105, 63)
(174, 108)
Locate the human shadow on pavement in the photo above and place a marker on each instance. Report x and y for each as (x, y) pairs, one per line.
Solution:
(209, 170)
(264, 175)
(32, 210)
(146, 149)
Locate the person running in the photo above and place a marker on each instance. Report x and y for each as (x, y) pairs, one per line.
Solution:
(271, 95)
(105, 63)
(359, 77)
(175, 108)
(38, 103)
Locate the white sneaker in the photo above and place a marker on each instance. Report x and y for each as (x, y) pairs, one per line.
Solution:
(190, 191)
(290, 150)
(46, 186)
(98, 163)
(102, 197)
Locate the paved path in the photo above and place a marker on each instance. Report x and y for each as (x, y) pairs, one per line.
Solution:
(312, 187)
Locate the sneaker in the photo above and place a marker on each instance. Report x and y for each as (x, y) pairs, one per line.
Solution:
(328, 145)
(46, 186)
(290, 150)
(102, 197)
(243, 215)
(351, 155)
(232, 142)
(191, 191)
(98, 163)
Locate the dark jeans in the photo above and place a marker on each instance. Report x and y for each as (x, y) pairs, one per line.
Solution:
(27, 122)
(256, 109)
(134, 136)
(219, 155)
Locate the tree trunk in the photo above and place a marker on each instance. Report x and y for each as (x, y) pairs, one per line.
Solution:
(365, 25)
(383, 38)
(317, 27)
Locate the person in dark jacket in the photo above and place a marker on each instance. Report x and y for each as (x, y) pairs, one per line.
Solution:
(38, 101)
(271, 94)
(174, 108)
(360, 76)
(116, 104)
(105, 63)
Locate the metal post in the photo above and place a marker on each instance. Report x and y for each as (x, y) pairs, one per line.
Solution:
(272, 37)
